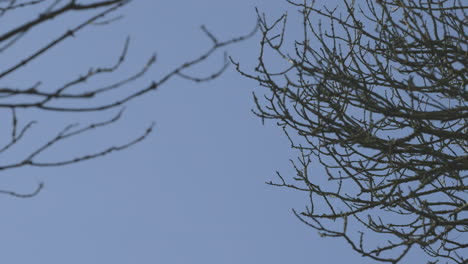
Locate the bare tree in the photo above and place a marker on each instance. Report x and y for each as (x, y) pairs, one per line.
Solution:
(67, 98)
(375, 93)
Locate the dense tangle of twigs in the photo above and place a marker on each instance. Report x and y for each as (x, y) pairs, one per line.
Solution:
(375, 92)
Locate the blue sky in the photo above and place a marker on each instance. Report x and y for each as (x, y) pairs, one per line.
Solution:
(194, 191)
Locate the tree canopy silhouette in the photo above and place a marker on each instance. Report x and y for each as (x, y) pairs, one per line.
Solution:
(374, 92)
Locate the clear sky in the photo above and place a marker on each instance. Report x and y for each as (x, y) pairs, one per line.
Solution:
(194, 191)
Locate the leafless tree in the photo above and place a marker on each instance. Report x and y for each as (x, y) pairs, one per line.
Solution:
(16, 102)
(375, 92)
